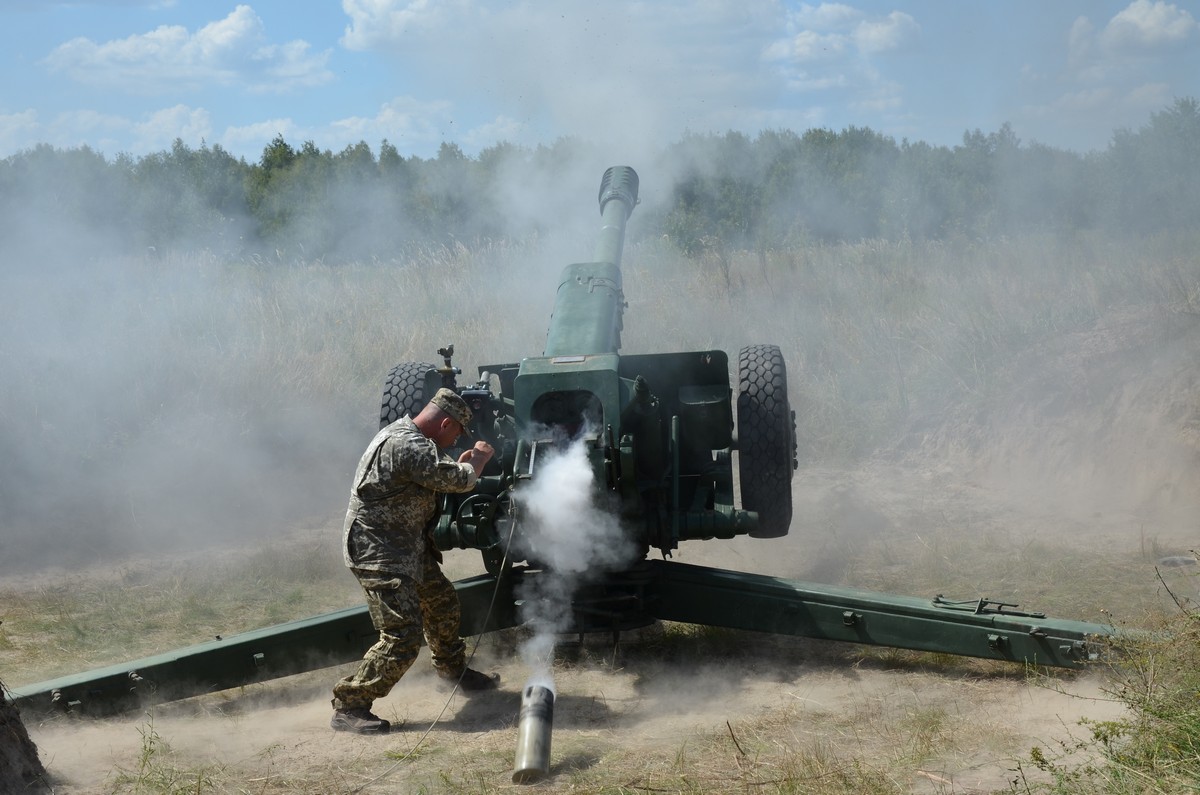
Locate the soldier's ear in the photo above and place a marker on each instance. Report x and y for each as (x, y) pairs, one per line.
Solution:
(446, 427)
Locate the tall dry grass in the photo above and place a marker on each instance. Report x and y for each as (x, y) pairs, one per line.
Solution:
(875, 333)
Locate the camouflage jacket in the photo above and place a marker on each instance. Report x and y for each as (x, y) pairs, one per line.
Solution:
(394, 500)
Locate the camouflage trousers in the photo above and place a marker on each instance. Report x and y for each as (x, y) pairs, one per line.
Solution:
(402, 610)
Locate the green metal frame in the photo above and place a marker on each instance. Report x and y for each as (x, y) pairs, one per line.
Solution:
(654, 590)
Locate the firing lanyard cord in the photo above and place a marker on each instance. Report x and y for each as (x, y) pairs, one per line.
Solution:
(470, 656)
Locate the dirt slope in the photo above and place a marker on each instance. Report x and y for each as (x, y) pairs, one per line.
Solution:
(20, 766)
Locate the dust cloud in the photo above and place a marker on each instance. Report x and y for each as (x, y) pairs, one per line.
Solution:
(179, 397)
(137, 415)
(172, 398)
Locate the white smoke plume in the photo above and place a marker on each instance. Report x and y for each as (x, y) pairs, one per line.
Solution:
(572, 538)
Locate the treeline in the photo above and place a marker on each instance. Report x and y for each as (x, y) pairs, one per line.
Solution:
(776, 189)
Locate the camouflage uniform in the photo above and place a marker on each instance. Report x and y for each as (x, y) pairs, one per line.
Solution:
(388, 545)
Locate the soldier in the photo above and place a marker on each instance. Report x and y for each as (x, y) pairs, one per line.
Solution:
(389, 547)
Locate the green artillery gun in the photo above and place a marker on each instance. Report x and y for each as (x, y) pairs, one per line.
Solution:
(661, 435)
(658, 428)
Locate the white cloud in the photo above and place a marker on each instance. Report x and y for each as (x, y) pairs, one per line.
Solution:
(379, 23)
(809, 45)
(102, 131)
(19, 131)
(833, 47)
(105, 132)
(229, 52)
(664, 66)
(162, 127)
(249, 140)
(1116, 75)
(826, 16)
(1080, 39)
(1123, 105)
(895, 31)
(499, 129)
(1077, 102)
(806, 82)
(1149, 98)
(1146, 26)
(414, 126)
(833, 30)
(885, 99)
(405, 122)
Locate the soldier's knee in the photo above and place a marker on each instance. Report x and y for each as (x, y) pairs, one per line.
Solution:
(397, 646)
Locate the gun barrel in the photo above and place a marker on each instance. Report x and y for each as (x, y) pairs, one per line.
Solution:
(620, 184)
(588, 307)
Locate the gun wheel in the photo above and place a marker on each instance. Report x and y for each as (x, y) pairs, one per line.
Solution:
(403, 392)
(766, 439)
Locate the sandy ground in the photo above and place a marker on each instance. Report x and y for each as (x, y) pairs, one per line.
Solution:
(599, 718)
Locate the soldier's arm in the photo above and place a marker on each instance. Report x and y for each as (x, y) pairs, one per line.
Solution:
(439, 472)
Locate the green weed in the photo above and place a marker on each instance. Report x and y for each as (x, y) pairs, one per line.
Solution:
(1155, 750)
(156, 772)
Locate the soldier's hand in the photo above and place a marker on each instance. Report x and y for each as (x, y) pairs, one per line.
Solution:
(478, 456)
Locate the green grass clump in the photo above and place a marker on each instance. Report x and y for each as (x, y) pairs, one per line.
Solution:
(157, 771)
(1155, 749)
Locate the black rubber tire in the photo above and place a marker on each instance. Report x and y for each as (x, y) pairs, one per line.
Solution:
(766, 439)
(404, 392)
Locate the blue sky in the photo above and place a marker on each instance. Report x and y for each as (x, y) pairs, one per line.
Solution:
(133, 75)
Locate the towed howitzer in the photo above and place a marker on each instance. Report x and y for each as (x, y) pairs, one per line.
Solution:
(660, 435)
(658, 429)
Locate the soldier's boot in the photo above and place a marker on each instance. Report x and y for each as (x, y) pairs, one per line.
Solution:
(470, 681)
(359, 720)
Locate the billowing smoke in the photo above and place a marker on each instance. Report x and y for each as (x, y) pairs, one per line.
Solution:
(573, 539)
